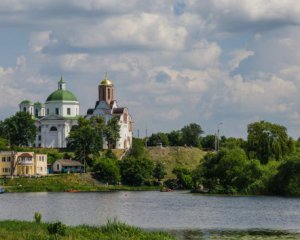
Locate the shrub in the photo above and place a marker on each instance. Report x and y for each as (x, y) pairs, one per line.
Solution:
(57, 228)
(37, 217)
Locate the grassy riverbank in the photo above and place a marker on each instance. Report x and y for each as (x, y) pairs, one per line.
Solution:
(64, 182)
(22, 230)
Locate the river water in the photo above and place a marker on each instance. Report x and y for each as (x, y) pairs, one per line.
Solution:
(157, 210)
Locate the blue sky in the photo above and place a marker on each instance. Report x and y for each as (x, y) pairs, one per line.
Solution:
(172, 62)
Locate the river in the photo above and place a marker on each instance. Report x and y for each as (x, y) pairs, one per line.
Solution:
(157, 210)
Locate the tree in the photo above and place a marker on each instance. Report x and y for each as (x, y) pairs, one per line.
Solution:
(157, 138)
(107, 170)
(184, 177)
(112, 132)
(85, 139)
(19, 129)
(208, 142)
(287, 180)
(191, 135)
(175, 138)
(267, 141)
(159, 171)
(134, 171)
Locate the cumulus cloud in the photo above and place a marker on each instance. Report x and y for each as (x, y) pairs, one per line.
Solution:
(238, 57)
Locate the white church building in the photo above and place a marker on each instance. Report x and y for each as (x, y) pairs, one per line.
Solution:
(107, 107)
(55, 118)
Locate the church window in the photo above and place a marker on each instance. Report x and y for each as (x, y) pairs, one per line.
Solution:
(47, 111)
(69, 111)
(36, 112)
(57, 167)
(108, 93)
(56, 111)
(53, 129)
(40, 138)
(24, 109)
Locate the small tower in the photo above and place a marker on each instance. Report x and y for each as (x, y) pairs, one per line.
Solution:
(61, 84)
(106, 90)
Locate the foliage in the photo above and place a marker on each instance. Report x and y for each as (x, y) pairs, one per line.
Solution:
(109, 154)
(85, 139)
(191, 135)
(112, 132)
(134, 171)
(287, 180)
(22, 230)
(184, 178)
(19, 129)
(157, 138)
(38, 217)
(175, 138)
(159, 171)
(229, 171)
(138, 149)
(57, 228)
(267, 140)
(208, 141)
(231, 143)
(108, 170)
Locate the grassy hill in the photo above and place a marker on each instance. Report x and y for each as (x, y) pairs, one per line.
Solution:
(172, 157)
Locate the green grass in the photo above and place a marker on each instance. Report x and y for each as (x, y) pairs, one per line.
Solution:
(22, 230)
(64, 182)
(176, 157)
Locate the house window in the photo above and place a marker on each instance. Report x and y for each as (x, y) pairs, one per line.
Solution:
(8, 159)
(56, 111)
(40, 138)
(53, 129)
(69, 111)
(3, 159)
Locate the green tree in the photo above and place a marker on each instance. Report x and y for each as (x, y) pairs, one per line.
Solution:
(287, 180)
(108, 170)
(184, 177)
(232, 142)
(208, 141)
(191, 135)
(175, 138)
(85, 140)
(134, 171)
(157, 138)
(159, 171)
(267, 141)
(112, 132)
(19, 129)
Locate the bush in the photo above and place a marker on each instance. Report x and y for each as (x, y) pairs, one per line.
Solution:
(57, 228)
(108, 170)
(37, 217)
(135, 171)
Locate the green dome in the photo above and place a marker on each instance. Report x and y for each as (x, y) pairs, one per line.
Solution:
(62, 95)
(26, 102)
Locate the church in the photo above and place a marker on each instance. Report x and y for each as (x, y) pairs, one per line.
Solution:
(107, 107)
(55, 118)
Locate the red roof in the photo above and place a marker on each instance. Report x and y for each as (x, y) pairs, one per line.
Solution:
(25, 155)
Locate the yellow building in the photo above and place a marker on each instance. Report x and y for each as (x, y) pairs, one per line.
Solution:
(22, 164)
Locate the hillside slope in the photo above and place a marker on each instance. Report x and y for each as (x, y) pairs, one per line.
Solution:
(176, 156)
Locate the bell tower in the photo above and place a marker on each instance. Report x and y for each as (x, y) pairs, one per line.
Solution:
(106, 90)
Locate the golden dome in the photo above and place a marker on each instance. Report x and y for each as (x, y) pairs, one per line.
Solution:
(106, 81)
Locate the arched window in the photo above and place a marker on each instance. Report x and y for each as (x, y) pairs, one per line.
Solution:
(53, 129)
(108, 93)
(24, 109)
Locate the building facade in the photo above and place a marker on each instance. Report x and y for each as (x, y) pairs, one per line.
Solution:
(55, 118)
(22, 164)
(107, 107)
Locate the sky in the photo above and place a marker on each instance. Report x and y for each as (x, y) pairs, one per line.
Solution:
(172, 62)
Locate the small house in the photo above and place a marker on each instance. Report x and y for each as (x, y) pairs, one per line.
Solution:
(67, 166)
